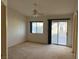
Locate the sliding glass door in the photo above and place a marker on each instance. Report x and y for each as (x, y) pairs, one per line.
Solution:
(59, 33)
(54, 32)
(62, 34)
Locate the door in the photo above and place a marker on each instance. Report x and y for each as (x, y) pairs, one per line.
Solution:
(59, 33)
(62, 34)
(54, 33)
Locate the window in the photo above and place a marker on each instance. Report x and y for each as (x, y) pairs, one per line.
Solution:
(36, 27)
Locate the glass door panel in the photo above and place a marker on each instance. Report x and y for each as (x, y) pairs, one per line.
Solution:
(54, 32)
(62, 33)
(59, 33)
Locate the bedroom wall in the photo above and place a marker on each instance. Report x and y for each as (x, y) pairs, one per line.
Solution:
(43, 38)
(16, 27)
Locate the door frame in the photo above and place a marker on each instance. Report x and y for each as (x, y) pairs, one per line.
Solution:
(50, 27)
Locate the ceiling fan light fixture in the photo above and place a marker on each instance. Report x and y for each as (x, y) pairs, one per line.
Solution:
(35, 11)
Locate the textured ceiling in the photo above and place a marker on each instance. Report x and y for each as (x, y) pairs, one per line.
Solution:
(47, 7)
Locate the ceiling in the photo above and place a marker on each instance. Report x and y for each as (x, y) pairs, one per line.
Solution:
(47, 7)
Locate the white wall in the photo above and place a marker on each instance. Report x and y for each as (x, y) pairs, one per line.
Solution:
(69, 35)
(43, 38)
(16, 27)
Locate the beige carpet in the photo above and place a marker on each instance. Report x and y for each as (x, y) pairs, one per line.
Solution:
(38, 51)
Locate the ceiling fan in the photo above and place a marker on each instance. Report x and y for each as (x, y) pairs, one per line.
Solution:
(36, 13)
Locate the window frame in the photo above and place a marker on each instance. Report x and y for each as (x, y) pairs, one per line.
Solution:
(36, 29)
